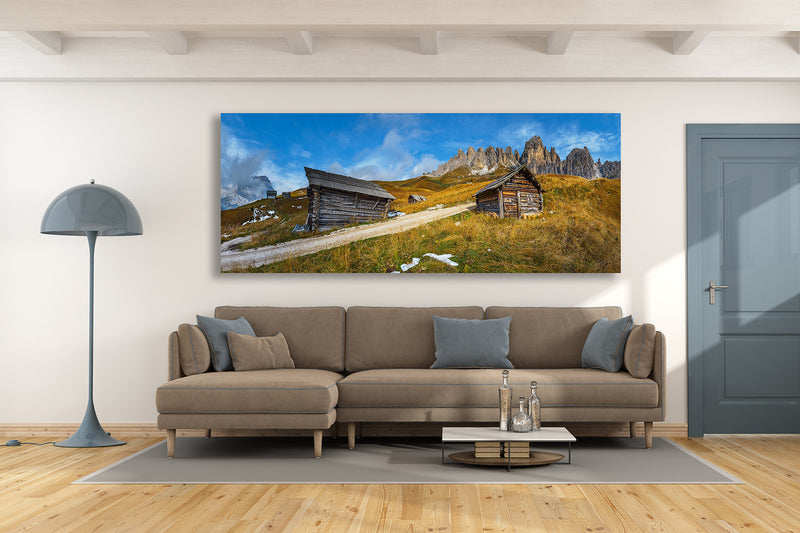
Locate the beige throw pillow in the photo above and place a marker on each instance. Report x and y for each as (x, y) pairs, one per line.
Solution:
(640, 350)
(193, 351)
(259, 353)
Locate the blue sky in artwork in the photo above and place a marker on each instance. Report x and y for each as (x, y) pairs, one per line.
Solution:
(388, 146)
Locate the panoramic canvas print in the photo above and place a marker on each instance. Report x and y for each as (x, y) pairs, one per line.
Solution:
(416, 193)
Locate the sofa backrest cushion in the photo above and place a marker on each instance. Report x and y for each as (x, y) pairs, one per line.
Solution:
(396, 337)
(550, 337)
(315, 335)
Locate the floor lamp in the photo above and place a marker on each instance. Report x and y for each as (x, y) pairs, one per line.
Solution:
(91, 210)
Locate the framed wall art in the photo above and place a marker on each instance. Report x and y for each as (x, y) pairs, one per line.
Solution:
(420, 193)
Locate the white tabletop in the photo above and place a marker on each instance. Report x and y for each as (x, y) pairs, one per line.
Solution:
(493, 434)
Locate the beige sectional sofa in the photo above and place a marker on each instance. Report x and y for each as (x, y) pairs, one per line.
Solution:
(372, 364)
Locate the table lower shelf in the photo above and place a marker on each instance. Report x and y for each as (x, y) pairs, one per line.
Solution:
(536, 459)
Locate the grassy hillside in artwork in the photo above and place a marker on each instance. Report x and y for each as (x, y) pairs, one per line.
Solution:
(266, 221)
(577, 231)
(271, 221)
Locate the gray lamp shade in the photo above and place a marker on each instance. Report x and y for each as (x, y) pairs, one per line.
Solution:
(91, 207)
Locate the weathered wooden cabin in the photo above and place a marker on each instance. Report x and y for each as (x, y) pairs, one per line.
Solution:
(516, 195)
(414, 198)
(271, 194)
(335, 200)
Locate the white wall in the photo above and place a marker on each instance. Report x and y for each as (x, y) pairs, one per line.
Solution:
(158, 143)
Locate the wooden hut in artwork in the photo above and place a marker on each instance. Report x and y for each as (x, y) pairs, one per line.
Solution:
(335, 200)
(516, 195)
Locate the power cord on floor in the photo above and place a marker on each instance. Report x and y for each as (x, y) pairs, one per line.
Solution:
(15, 442)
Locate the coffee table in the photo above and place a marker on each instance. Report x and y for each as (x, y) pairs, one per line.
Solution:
(493, 434)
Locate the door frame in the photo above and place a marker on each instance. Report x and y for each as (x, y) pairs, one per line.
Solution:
(695, 295)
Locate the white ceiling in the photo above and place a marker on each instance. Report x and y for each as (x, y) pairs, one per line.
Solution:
(399, 40)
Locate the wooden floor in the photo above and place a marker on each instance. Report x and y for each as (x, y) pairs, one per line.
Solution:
(36, 495)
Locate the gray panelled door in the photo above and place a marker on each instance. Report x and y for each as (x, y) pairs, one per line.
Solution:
(743, 279)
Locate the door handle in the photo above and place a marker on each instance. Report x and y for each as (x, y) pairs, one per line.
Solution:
(711, 290)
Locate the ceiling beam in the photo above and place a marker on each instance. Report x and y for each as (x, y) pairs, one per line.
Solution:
(46, 42)
(300, 42)
(557, 42)
(313, 15)
(686, 42)
(392, 59)
(173, 42)
(429, 42)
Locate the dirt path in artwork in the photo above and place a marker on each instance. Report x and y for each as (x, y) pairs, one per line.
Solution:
(230, 258)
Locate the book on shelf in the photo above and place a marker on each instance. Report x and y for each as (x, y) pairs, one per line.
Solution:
(487, 455)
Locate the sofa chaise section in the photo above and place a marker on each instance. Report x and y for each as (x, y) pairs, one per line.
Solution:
(301, 398)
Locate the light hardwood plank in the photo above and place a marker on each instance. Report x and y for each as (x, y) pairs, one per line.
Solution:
(36, 495)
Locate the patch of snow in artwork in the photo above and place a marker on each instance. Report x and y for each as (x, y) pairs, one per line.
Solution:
(405, 266)
(443, 258)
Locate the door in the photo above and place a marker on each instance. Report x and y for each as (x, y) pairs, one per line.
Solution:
(743, 278)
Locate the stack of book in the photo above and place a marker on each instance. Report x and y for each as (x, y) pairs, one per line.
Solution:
(487, 450)
(516, 450)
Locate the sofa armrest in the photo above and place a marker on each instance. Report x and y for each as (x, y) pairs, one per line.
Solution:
(173, 358)
(659, 369)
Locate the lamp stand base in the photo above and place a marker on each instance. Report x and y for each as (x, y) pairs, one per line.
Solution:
(90, 434)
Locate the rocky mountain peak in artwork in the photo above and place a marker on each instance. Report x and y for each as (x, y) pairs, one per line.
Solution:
(536, 156)
(579, 162)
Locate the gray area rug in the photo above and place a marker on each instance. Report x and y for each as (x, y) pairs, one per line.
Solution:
(253, 460)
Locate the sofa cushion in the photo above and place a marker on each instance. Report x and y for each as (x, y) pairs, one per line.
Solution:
(216, 331)
(463, 343)
(605, 346)
(259, 353)
(640, 350)
(193, 351)
(570, 387)
(549, 337)
(315, 335)
(298, 391)
(396, 337)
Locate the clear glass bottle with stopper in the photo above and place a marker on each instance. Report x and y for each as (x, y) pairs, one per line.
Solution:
(535, 407)
(521, 422)
(505, 402)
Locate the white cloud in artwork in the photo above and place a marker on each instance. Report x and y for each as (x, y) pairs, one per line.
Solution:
(516, 136)
(249, 172)
(238, 165)
(598, 142)
(391, 160)
(298, 151)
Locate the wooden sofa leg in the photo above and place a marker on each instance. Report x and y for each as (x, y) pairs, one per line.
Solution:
(208, 433)
(171, 443)
(317, 443)
(633, 429)
(351, 435)
(648, 434)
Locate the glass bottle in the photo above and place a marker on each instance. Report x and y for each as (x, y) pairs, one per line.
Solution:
(521, 422)
(535, 408)
(505, 402)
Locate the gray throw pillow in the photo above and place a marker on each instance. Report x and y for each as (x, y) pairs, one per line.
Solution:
(605, 346)
(216, 331)
(462, 343)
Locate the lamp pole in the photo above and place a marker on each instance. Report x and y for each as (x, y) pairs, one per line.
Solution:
(90, 433)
